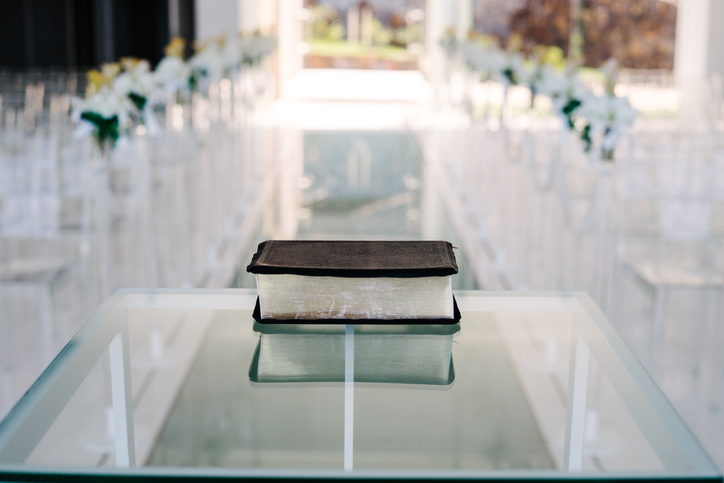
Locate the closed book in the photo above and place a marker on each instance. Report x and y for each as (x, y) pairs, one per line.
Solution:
(343, 281)
(401, 354)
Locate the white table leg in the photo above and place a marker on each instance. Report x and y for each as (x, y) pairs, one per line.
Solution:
(576, 406)
(348, 397)
(122, 399)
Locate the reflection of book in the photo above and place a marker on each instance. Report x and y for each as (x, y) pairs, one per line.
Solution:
(403, 354)
(355, 280)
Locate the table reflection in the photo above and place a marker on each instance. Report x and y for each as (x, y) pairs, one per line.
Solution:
(402, 354)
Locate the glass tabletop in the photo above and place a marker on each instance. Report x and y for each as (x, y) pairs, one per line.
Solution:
(184, 383)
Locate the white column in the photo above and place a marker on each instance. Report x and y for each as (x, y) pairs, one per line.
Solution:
(365, 25)
(436, 21)
(699, 59)
(699, 40)
(464, 18)
(266, 16)
(353, 25)
(692, 31)
(715, 60)
(289, 30)
(289, 194)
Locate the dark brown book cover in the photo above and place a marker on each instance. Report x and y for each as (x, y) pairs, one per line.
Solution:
(354, 258)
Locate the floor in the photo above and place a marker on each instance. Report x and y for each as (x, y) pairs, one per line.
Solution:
(332, 159)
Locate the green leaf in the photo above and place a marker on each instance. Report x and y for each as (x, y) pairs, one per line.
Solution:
(586, 138)
(106, 128)
(571, 106)
(568, 109)
(138, 100)
(510, 75)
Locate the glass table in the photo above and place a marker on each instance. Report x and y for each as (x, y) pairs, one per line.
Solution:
(184, 384)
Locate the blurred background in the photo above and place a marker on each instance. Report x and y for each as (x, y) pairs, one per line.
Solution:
(501, 126)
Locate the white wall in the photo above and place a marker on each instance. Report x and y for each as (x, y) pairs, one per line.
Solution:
(216, 17)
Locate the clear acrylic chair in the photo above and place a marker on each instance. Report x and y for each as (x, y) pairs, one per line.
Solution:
(41, 251)
(683, 254)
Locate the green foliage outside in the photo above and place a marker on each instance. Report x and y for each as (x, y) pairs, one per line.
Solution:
(326, 35)
(341, 48)
(325, 23)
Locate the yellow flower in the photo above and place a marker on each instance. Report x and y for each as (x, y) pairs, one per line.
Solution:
(104, 77)
(200, 45)
(175, 48)
(95, 79)
(552, 56)
(129, 63)
(110, 70)
(515, 42)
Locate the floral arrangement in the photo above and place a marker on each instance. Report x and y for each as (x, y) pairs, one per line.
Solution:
(173, 73)
(481, 56)
(607, 117)
(106, 111)
(123, 93)
(223, 56)
(599, 121)
(449, 42)
(567, 93)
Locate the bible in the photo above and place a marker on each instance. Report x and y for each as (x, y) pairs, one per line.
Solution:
(347, 281)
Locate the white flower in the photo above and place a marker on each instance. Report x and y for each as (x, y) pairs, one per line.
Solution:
(106, 102)
(137, 79)
(208, 62)
(231, 53)
(567, 92)
(608, 113)
(487, 60)
(541, 77)
(607, 118)
(105, 115)
(554, 85)
(496, 61)
(223, 56)
(449, 42)
(172, 73)
(471, 52)
(257, 47)
(513, 70)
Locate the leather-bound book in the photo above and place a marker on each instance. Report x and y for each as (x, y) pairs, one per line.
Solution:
(347, 281)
